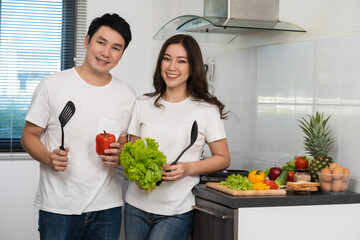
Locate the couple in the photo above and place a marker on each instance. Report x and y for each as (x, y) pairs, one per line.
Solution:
(79, 193)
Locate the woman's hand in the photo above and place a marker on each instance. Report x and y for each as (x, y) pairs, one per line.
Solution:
(112, 155)
(219, 160)
(175, 172)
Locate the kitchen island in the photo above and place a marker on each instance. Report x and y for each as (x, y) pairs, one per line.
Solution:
(313, 215)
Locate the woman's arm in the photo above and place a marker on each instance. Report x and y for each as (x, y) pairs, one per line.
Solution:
(219, 160)
(133, 138)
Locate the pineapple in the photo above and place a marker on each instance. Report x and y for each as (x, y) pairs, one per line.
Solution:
(318, 143)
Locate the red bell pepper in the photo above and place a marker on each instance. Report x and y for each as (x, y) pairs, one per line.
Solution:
(103, 141)
(271, 183)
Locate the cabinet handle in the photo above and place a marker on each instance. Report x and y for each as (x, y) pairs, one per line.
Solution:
(211, 213)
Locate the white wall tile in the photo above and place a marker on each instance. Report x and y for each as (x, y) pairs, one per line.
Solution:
(234, 126)
(264, 132)
(266, 91)
(350, 69)
(284, 133)
(305, 72)
(227, 81)
(248, 72)
(350, 132)
(285, 73)
(328, 84)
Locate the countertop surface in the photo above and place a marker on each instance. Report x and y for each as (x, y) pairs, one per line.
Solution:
(290, 199)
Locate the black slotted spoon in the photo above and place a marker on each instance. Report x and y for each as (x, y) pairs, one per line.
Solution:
(193, 137)
(64, 117)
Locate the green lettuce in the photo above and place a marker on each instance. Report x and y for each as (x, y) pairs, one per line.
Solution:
(237, 182)
(143, 163)
(290, 166)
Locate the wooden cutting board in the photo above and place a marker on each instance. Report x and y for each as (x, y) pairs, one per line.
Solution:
(222, 188)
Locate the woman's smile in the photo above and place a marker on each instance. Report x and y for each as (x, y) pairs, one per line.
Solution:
(172, 75)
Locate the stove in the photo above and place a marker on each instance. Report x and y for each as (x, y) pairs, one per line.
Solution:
(221, 175)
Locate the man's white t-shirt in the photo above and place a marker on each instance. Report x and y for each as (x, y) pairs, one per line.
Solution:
(170, 126)
(87, 184)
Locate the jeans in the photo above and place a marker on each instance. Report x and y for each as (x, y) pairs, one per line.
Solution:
(99, 225)
(140, 225)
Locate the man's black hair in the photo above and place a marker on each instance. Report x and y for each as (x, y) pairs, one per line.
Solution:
(113, 21)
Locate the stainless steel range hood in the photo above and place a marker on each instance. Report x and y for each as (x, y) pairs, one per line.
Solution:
(224, 20)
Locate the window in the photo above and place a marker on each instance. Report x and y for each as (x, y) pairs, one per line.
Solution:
(36, 39)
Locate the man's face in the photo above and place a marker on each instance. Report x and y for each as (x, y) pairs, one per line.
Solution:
(104, 50)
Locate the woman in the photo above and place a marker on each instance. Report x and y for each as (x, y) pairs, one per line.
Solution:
(181, 96)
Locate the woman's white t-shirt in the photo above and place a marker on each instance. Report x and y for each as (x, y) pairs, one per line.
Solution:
(171, 126)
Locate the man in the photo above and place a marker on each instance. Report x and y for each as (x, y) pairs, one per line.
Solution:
(79, 194)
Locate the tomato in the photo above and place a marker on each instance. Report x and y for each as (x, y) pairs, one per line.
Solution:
(301, 163)
(271, 183)
(291, 176)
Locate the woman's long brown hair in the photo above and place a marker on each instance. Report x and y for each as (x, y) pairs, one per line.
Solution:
(197, 86)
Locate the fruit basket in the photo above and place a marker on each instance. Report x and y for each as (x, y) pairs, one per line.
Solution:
(334, 183)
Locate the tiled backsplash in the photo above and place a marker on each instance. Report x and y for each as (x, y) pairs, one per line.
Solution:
(267, 89)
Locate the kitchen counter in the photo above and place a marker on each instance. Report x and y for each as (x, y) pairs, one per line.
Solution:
(238, 217)
(290, 199)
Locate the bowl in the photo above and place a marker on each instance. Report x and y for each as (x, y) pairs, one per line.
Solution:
(334, 183)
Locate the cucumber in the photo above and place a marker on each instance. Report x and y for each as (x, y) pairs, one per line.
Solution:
(281, 180)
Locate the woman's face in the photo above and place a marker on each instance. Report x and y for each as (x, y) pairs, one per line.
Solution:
(175, 68)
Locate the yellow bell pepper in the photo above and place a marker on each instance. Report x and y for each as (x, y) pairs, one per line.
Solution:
(256, 176)
(261, 186)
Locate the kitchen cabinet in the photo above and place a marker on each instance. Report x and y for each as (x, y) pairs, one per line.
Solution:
(213, 221)
(312, 216)
(318, 222)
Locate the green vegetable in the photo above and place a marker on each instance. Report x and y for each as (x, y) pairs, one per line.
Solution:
(267, 172)
(237, 182)
(143, 164)
(281, 180)
(290, 166)
(308, 158)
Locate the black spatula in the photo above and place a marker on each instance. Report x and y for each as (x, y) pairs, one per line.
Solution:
(64, 117)
(193, 137)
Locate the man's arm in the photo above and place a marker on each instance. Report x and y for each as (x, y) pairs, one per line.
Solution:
(30, 141)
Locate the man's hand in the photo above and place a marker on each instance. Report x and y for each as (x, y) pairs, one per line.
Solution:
(59, 160)
(112, 155)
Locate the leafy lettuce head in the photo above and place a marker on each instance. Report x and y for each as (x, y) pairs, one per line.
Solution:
(143, 163)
